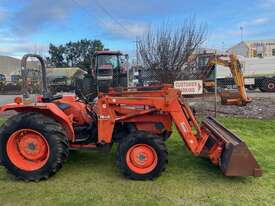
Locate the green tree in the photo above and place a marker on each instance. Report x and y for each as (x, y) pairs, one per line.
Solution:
(77, 53)
(57, 55)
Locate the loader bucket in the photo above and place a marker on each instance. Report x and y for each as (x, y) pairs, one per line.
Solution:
(236, 158)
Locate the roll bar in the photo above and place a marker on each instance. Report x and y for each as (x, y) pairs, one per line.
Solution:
(45, 91)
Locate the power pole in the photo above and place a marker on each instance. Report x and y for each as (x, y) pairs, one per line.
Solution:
(137, 54)
(242, 28)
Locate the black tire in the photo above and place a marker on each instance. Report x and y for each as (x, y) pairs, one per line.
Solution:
(268, 85)
(251, 87)
(136, 138)
(262, 89)
(53, 133)
(166, 135)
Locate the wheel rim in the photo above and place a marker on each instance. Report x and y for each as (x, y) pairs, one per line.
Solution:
(271, 85)
(141, 158)
(28, 149)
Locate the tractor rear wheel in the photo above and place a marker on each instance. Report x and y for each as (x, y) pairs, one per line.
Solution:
(142, 156)
(33, 146)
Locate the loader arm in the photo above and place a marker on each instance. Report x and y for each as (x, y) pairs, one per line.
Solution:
(209, 139)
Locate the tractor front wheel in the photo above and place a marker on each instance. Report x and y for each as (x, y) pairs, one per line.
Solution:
(142, 156)
(33, 146)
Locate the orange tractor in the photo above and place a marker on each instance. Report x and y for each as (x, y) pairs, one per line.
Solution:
(36, 142)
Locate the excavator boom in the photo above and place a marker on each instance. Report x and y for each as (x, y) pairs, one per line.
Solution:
(232, 62)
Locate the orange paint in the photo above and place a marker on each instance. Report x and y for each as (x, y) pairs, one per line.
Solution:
(28, 150)
(141, 158)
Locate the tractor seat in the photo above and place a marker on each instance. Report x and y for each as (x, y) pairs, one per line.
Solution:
(63, 106)
(51, 98)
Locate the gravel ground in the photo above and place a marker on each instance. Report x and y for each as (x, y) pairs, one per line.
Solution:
(262, 107)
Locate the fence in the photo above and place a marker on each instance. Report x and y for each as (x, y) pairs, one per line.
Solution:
(208, 103)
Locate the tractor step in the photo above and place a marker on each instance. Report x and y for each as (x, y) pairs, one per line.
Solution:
(236, 158)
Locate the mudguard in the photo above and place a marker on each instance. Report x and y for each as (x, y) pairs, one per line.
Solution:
(49, 109)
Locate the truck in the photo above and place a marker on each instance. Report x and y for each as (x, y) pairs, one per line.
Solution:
(63, 79)
(259, 73)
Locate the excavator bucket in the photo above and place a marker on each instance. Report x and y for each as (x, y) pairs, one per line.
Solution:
(230, 98)
(233, 97)
(236, 158)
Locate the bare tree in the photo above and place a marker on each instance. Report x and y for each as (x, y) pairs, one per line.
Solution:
(165, 50)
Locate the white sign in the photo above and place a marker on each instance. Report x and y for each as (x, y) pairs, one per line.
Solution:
(189, 86)
(249, 81)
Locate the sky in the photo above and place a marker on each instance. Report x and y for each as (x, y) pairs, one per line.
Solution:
(30, 26)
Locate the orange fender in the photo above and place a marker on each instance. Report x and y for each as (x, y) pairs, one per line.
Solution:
(48, 109)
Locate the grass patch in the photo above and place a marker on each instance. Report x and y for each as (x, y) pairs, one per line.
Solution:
(2, 120)
(90, 178)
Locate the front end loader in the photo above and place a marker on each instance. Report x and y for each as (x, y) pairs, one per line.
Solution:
(35, 142)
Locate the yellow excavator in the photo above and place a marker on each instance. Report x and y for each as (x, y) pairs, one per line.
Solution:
(230, 61)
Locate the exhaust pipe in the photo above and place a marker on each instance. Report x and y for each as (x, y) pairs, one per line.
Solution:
(236, 159)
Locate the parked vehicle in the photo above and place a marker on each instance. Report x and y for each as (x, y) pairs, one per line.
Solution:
(2, 81)
(259, 73)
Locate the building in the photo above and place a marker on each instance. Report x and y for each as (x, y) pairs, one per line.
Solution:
(69, 73)
(250, 49)
(10, 66)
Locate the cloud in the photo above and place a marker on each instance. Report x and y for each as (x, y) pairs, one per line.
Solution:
(224, 35)
(141, 8)
(266, 5)
(3, 14)
(125, 29)
(36, 14)
(16, 47)
(255, 22)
